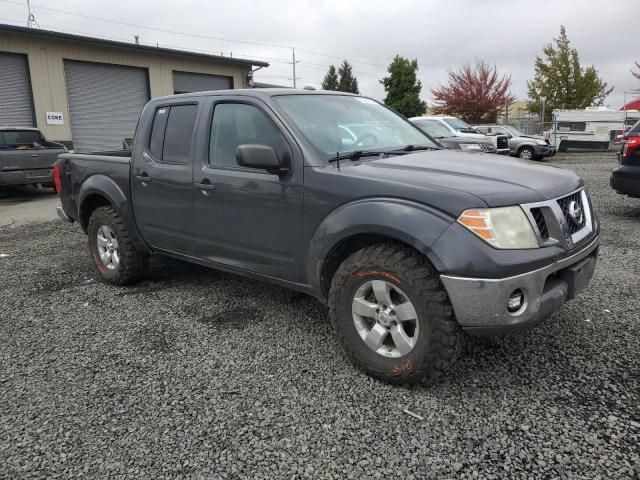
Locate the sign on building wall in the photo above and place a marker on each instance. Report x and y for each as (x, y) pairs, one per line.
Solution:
(55, 118)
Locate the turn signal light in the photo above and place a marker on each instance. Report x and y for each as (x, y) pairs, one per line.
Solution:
(478, 223)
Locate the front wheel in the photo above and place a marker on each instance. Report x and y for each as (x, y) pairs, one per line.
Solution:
(113, 254)
(527, 153)
(393, 315)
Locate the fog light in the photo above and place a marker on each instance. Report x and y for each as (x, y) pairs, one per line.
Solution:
(516, 299)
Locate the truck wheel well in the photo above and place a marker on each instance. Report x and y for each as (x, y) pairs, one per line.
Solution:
(340, 252)
(88, 206)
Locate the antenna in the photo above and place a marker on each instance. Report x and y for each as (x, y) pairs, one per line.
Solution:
(31, 18)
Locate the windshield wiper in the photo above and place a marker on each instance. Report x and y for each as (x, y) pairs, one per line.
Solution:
(412, 148)
(353, 156)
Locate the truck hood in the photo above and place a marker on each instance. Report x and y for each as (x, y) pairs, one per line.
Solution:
(495, 179)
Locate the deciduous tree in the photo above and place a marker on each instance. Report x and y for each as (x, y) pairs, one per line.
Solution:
(474, 93)
(403, 87)
(637, 75)
(561, 81)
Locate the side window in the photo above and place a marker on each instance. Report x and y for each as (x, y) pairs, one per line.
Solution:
(171, 133)
(157, 132)
(177, 138)
(237, 124)
(572, 126)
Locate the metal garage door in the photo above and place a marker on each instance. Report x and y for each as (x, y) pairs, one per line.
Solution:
(105, 102)
(16, 106)
(185, 82)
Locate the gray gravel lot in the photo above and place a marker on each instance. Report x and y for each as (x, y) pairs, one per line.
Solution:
(196, 373)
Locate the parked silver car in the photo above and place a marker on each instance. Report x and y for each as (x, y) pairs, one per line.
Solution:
(528, 147)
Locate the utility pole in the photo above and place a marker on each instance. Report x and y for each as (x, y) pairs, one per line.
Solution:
(293, 63)
(31, 18)
(542, 118)
(506, 111)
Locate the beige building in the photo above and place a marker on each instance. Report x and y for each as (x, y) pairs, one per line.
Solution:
(88, 92)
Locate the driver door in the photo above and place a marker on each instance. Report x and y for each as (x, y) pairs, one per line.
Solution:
(247, 218)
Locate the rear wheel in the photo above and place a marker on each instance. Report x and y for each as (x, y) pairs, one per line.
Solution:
(393, 315)
(113, 254)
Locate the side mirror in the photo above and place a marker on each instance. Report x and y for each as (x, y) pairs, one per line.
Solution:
(263, 157)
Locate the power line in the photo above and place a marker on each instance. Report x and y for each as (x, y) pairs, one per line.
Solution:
(177, 32)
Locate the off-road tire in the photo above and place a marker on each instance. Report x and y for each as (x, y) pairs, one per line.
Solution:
(440, 341)
(133, 263)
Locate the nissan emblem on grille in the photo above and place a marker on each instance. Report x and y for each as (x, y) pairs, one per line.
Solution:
(575, 213)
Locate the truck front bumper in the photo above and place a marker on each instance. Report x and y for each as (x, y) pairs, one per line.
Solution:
(481, 304)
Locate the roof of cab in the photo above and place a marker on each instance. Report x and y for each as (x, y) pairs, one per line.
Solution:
(255, 92)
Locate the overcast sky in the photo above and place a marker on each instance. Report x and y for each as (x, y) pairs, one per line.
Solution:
(440, 34)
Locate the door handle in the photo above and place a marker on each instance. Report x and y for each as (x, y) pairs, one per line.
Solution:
(143, 178)
(205, 186)
(35, 155)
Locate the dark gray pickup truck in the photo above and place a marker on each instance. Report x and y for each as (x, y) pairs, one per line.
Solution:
(26, 157)
(409, 244)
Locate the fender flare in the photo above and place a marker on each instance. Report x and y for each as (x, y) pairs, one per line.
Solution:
(412, 223)
(103, 186)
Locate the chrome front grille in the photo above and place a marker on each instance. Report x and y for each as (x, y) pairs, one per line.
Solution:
(566, 220)
(488, 148)
(541, 223)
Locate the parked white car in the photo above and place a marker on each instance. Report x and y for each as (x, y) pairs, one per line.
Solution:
(460, 128)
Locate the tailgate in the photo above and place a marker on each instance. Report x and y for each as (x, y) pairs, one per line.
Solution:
(29, 159)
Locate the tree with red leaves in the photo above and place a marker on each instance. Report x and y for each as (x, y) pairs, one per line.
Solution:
(474, 93)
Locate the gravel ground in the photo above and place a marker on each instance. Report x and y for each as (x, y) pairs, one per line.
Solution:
(200, 374)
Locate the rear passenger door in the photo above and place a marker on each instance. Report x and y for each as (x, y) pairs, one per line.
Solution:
(247, 218)
(162, 183)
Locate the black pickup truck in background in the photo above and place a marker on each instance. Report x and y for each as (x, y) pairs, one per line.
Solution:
(337, 196)
(26, 157)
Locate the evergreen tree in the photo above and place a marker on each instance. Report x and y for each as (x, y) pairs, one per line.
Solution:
(330, 81)
(347, 82)
(562, 82)
(403, 87)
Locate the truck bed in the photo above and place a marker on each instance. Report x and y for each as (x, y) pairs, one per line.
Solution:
(80, 172)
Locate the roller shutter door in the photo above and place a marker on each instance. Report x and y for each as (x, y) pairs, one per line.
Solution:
(185, 82)
(105, 102)
(16, 106)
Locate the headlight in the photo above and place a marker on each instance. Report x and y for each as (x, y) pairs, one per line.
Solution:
(471, 147)
(503, 227)
(541, 142)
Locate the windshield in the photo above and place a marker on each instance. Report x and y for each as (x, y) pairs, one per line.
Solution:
(457, 124)
(433, 128)
(341, 123)
(514, 131)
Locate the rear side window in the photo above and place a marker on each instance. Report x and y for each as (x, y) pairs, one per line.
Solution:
(171, 133)
(21, 139)
(157, 132)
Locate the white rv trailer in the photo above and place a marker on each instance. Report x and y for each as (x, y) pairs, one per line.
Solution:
(594, 128)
